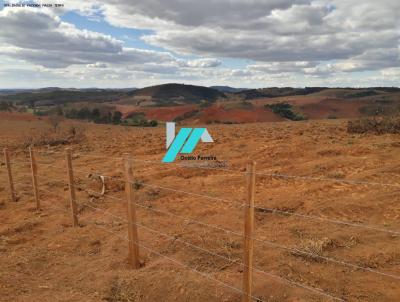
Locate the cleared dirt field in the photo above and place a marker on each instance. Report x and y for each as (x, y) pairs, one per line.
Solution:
(42, 258)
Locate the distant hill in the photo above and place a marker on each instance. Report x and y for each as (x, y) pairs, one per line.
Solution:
(274, 92)
(169, 94)
(56, 96)
(347, 93)
(228, 89)
(190, 104)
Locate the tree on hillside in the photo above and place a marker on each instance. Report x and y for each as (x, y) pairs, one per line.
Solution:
(55, 121)
(6, 106)
(84, 113)
(59, 111)
(95, 114)
(117, 116)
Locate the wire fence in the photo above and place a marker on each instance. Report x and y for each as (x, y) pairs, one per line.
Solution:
(248, 206)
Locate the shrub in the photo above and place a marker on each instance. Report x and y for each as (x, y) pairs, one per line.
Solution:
(76, 133)
(153, 123)
(55, 121)
(285, 110)
(40, 112)
(6, 106)
(375, 125)
(313, 248)
(138, 119)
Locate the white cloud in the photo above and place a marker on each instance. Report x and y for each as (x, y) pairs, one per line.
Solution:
(201, 63)
(304, 40)
(263, 30)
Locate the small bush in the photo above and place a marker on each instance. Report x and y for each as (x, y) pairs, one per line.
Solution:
(375, 125)
(6, 106)
(54, 121)
(76, 133)
(285, 110)
(313, 248)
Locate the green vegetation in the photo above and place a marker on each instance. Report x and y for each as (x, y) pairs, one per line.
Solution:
(98, 115)
(285, 110)
(140, 123)
(102, 115)
(6, 106)
(360, 94)
(61, 96)
(205, 104)
(138, 119)
(186, 115)
(167, 94)
(274, 92)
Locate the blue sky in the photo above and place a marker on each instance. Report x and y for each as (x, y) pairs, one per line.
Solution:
(238, 43)
(130, 36)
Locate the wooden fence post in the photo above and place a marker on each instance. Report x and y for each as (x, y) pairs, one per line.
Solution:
(248, 235)
(10, 179)
(34, 178)
(133, 256)
(71, 188)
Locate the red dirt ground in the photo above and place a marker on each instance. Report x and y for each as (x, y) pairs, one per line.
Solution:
(319, 107)
(159, 113)
(219, 113)
(42, 258)
(18, 117)
(313, 107)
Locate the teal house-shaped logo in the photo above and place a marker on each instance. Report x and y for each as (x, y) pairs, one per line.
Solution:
(185, 142)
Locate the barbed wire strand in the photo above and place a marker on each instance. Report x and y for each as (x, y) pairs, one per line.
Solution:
(54, 206)
(168, 258)
(269, 243)
(259, 207)
(180, 264)
(161, 233)
(306, 216)
(225, 258)
(278, 175)
(256, 269)
(284, 212)
(54, 193)
(256, 207)
(167, 188)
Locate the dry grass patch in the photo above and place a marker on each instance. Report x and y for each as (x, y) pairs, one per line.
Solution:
(375, 125)
(54, 137)
(313, 248)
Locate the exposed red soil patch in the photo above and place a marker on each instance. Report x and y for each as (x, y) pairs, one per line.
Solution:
(168, 113)
(337, 108)
(318, 107)
(297, 100)
(164, 114)
(19, 116)
(251, 115)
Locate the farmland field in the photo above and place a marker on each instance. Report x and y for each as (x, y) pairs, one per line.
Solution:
(347, 177)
